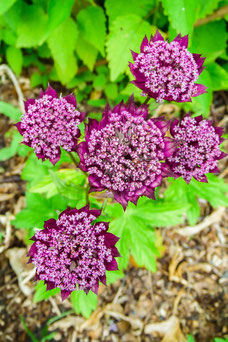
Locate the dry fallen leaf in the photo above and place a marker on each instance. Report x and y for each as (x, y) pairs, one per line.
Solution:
(25, 272)
(169, 329)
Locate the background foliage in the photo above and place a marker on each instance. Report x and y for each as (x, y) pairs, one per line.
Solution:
(85, 45)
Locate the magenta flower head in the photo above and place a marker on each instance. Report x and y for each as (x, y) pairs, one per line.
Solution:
(123, 152)
(50, 122)
(167, 71)
(71, 253)
(198, 148)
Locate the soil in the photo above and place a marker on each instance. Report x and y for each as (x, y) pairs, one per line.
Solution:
(187, 294)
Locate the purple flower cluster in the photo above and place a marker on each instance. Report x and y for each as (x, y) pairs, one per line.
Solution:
(167, 71)
(198, 148)
(123, 152)
(72, 253)
(127, 153)
(50, 122)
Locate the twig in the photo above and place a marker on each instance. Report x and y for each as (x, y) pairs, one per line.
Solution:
(5, 69)
(211, 219)
(220, 13)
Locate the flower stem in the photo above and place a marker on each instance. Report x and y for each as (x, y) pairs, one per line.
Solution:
(104, 205)
(75, 163)
(73, 159)
(87, 194)
(147, 100)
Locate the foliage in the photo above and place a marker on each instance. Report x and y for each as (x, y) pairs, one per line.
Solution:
(45, 335)
(87, 47)
(214, 192)
(62, 39)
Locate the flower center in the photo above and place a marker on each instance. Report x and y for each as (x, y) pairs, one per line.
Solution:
(126, 153)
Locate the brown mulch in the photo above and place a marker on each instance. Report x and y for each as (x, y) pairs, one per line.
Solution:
(187, 294)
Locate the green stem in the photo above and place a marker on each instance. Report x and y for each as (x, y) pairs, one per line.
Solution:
(73, 159)
(87, 194)
(147, 100)
(104, 205)
(75, 163)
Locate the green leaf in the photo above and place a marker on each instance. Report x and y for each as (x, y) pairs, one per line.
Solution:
(68, 182)
(204, 35)
(82, 303)
(38, 209)
(182, 14)
(15, 147)
(126, 33)
(14, 58)
(111, 91)
(143, 246)
(113, 276)
(62, 43)
(58, 11)
(116, 8)
(97, 103)
(159, 213)
(91, 24)
(214, 191)
(99, 81)
(5, 5)
(119, 227)
(180, 192)
(10, 111)
(201, 104)
(190, 338)
(219, 76)
(37, 79)
(9, 36)
(136, 235)
(86, 52)
(32, 26)
(48, 337)
(207, 7)
(28, 173)
(187, 194)
(12, 16)
(28, 331)
(42, 294)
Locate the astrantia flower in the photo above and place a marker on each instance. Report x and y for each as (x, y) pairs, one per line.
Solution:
(167, 71)
(71, 253)
(198, 148)
(123, 152)
(50, 122)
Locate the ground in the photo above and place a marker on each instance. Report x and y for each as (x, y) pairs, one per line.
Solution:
(187, 294)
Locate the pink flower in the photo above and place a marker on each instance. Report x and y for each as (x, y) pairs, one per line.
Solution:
(50, 122)
(167, 71)
(123, 153)
(198, 148)
(72, 253)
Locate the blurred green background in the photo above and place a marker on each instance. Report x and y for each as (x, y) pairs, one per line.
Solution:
(85, 44)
